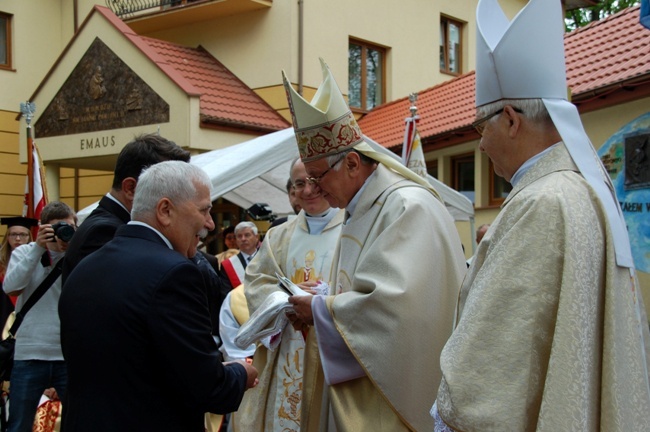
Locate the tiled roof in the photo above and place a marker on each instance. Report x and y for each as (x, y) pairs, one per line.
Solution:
(607, 52)
(223, 98)
(599, 56)
(443, 108)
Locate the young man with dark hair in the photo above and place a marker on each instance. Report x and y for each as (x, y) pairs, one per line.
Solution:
(114, 208)
(38, 360)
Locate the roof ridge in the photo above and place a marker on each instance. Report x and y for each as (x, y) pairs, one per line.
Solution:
(603, 21)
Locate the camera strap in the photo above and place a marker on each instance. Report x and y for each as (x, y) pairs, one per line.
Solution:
(36, 296)
(46, 259)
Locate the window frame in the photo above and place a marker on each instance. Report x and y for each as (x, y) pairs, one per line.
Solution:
(364, 74)
(444, 26)
(8, 18)
(455, 162)
(432, 167)
(494, 200)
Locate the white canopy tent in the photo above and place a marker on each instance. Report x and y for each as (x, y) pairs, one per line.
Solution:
(256, 171)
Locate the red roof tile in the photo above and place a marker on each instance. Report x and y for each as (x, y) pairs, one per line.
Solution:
(598, 56)
(607, 52)
(445, 107)
(223, 98)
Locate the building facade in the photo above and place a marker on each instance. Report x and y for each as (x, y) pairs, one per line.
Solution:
(207, 74)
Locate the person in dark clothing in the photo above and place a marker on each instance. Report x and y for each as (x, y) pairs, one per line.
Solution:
(114, 208)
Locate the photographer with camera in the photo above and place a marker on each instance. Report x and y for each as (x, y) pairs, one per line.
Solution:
(38, 360)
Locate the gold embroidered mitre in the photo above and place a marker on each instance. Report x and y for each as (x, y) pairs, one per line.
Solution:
(325, 126)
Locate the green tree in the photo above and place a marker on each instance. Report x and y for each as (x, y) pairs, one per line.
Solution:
(583, 16)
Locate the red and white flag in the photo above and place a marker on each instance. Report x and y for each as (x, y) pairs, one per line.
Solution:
(412, 154)
(35, 194)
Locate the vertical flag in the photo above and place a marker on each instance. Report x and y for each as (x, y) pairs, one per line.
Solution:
(412, 153)
(35, 191)
(644, 14)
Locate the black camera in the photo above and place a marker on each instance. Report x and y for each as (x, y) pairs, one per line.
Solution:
(62, 230)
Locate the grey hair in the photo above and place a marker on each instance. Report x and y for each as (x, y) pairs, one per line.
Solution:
(533, 109)
(175, 180)
(241, 225)
(332, 159)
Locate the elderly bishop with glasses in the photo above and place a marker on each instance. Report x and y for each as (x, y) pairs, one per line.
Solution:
(551, 333)
(372, 363)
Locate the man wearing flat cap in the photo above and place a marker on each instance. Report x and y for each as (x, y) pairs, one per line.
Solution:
(551, 332)
(397, 272)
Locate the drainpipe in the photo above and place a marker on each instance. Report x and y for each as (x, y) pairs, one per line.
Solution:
(300, 44)
(75, 7)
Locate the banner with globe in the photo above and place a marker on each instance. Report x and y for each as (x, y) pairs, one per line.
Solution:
(626, 156)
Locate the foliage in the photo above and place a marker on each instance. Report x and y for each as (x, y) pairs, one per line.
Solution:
(583, 16)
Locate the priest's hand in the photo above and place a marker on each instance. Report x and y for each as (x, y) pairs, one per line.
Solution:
(302, 308)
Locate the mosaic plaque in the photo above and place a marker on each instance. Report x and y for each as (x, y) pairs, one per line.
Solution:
(101, 93)
(637, 161)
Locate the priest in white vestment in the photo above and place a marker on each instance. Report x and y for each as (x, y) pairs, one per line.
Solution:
(551, 331)
(301, 249)
(398, 270)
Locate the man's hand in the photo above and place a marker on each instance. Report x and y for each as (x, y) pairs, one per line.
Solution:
(45, 235)
(251, 373)
(302, 308)
(308, 286)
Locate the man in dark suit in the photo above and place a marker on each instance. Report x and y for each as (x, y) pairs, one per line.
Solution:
(135, 328)
(114, 208)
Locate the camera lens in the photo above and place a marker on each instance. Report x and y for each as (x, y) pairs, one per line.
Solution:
(63, 231)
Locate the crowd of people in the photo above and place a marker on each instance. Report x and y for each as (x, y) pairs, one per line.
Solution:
(359, 312)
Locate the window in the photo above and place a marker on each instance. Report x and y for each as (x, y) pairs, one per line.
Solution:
(432, 168)
(462, 174)
(499, 188)
(366, 69)
(450, 45)
(5, 41)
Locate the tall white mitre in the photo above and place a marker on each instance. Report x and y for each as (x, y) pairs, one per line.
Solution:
(524, 59)
(326, 126)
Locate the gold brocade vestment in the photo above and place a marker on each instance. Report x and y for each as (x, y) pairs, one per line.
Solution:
(552, 335)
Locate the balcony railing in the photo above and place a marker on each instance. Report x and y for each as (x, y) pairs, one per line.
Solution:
(128, 8)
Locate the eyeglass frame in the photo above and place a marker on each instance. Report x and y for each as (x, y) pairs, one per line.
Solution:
(478, 124)
(315, 181)
(18, 235)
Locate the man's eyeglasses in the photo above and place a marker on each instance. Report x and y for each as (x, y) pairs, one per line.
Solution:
(18, 235)
(479, 124)
(299, 185)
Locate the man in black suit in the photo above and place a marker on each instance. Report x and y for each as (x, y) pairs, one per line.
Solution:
(135, 328)
(114, 208)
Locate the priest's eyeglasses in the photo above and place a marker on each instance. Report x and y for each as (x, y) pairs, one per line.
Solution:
(317, 180)
(479, 124)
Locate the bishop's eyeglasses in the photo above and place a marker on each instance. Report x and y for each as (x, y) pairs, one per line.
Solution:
(479, 124)
(300, 184)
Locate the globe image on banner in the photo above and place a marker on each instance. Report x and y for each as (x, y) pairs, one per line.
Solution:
(626, 156)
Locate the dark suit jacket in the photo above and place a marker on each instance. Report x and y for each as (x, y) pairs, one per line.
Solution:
(135, 333)
(215, 290)
(97, 230)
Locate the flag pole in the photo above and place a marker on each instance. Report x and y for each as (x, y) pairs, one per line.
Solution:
(27, 109)
(409, 131)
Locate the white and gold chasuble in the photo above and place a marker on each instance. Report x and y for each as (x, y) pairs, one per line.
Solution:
(552, 335)
(274, 404)
(400, 266)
